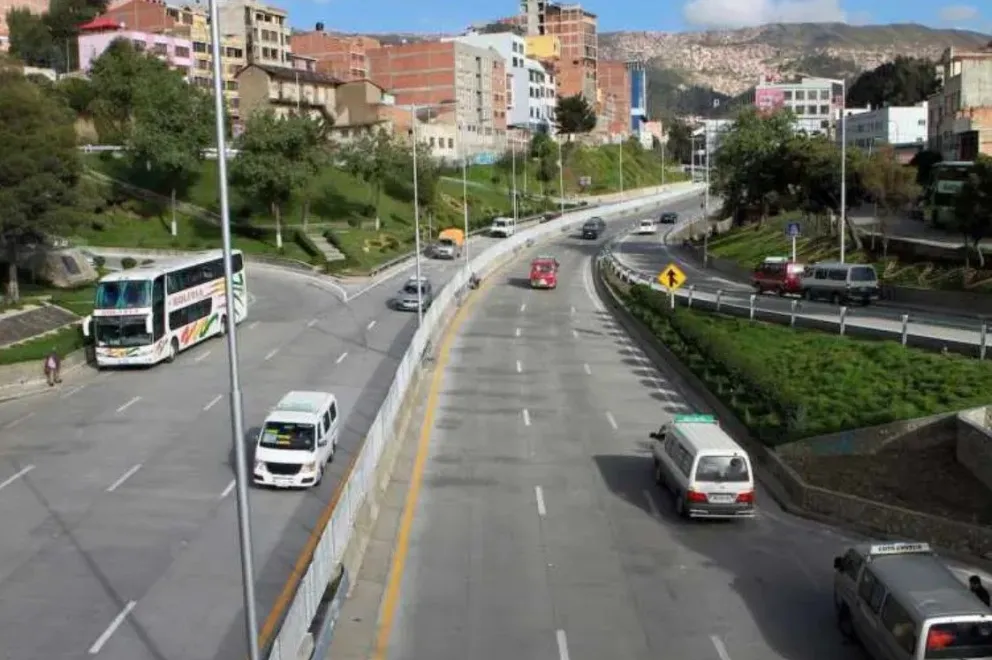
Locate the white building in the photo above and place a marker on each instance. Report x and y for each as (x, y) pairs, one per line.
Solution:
(530, 87)
(895, 126)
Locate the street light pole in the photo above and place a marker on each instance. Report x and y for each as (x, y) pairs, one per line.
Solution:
(237, 413)
(621, 168)
(416, 218)
(843, 170)
(561, 178)
(513, 165)
(706, 197)
(464, 196)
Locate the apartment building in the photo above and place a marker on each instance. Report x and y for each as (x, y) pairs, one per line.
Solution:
(531, 98)
(34, 6)
(614, 81)
(575, 29)
(98, 34)
(959, 123)
(342, 56)
(814, 101)
(438, 74)
(869, 128)
(350, 108)
(265, 29)
(188, 22)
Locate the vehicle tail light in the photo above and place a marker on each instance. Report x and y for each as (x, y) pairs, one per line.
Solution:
(696, 497)
(939, 639)
(746, 498)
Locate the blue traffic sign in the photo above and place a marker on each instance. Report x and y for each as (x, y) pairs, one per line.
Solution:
(793, 230)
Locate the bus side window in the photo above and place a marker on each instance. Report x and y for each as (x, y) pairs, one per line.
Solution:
(158, 308)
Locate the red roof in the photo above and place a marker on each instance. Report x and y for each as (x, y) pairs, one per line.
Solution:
(101, 23)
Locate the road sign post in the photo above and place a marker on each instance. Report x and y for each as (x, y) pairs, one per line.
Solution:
(793, 230)
(905, 328)
(672, 278)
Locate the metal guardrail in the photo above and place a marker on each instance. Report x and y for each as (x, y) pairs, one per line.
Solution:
(294, 624)
(961, 334)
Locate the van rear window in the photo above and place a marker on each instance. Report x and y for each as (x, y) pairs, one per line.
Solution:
(722, 469)
(959, 641)
(863, 274)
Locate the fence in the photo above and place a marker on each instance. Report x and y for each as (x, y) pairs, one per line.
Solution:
(292, 634)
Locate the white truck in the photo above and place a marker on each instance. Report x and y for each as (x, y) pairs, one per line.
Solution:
(503, 227)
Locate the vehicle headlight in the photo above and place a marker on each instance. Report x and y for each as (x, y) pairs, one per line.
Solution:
(259, 466)
(309, 467)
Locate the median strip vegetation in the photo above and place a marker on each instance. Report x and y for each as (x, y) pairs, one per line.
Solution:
(787, 384)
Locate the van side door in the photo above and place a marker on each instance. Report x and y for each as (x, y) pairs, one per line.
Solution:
(871, 595)
(333, 425)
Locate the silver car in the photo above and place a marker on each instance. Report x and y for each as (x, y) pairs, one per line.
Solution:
(409, 297)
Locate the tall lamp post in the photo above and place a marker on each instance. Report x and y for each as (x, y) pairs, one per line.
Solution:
(237, 415)
(843, 170)
(416, 215)
(561, 176)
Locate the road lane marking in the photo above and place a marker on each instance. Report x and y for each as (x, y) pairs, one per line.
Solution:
(651, 505)
(575, 333)
(523, 308)
(124, 477)
(227, 491)
(341, 358)
(402, 547)
(370, 325)
(72, 391)
(516, 333)
(202, 357)
(526, 417)
(520, 367)
(721, 650)
(562, 644)
(271, 354)
(312, 322)
(129, 404)
(253, 325)
(14, 422)
(539, 495)
(590, 291)
(14, 477)
(212, 402)
(572, 310)
(587, 369)
(612, 420)
(112, 628)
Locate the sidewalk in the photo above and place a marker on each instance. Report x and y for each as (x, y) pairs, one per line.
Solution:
(907, 228)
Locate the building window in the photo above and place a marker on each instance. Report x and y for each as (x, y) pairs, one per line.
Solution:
(824, 109)
(139, 45)
(451, 143)
(231, 85)
(811, 110)
(800, 95)
(199, 47)
(799, 109)
(182, 51)
(824, 94)
(160, 49)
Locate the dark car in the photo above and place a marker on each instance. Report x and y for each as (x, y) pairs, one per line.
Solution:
(408, 297)
(593, 227)
(669, 218)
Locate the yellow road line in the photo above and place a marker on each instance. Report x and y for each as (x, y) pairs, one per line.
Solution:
(398, 565)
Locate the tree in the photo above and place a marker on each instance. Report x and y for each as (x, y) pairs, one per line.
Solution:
(39, 168)
(63, 20)
(171, 126)
(973, 209)
(924, 161)
(371, 158)
(78, 93)
(278, 157)
(904, 81)
(574, 115)
(31, 40)
(117, 76)
(544, 151)
(679, 144)
(891, 185)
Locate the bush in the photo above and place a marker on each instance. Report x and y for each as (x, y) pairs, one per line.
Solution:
(786, 384)
(128, 262)
(99, 262)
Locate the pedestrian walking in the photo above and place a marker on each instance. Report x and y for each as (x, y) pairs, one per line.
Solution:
(977, 588)
(53, 368)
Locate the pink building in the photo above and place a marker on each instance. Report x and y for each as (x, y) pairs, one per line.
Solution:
(98, 34)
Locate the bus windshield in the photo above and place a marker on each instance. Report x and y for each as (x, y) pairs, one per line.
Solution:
(948, 181)
(121, 331)
(124, 294)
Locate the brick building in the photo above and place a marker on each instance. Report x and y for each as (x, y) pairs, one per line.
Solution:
(614, 84)
(342, 56)
(576, 30)
(960, 114)
(442, 74)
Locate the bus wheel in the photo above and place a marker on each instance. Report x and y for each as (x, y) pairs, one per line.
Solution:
(223, 325)
(173, 350)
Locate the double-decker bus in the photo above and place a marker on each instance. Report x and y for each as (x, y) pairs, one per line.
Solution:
(946, 180)
(148, 314)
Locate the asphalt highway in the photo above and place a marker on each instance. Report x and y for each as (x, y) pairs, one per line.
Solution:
(116, 490)
(539, 531)
(650, 255)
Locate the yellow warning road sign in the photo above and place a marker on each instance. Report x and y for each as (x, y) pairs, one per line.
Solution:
(671, 277)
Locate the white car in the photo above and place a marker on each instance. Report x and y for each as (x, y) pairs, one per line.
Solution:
(646, 226)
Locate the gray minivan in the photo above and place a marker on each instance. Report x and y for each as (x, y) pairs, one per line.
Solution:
(840, 283)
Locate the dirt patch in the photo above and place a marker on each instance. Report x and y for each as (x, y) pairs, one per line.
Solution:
(927, 480)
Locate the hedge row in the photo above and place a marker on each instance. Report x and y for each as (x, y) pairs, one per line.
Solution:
(787, 384)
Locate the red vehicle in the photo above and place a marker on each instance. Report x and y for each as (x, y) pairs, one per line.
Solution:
(544, 273)
(779, 275)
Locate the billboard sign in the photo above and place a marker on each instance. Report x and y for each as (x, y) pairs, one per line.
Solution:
(769, 100)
